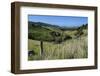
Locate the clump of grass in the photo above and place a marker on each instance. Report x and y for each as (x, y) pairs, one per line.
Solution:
(75, 48)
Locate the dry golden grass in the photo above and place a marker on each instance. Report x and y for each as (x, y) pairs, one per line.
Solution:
(70, 49)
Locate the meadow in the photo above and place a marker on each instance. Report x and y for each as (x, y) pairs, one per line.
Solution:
(67, 44)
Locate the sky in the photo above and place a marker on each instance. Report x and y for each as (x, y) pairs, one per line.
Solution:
(68, 21)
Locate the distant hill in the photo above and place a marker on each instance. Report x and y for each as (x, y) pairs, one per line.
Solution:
(41, 24)
(46, 25)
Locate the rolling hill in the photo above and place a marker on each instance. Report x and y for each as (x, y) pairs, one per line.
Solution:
(58, 42)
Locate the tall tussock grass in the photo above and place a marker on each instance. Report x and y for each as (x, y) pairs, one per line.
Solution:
(69, 49)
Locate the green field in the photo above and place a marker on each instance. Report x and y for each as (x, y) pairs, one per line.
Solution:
(69, 44)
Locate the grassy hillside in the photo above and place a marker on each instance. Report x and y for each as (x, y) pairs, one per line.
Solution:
(45, 32)
(58, 43)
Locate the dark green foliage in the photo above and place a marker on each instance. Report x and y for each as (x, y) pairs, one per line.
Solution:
(57, 34)
(80, 30)
(67, 37)
(84, 26)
